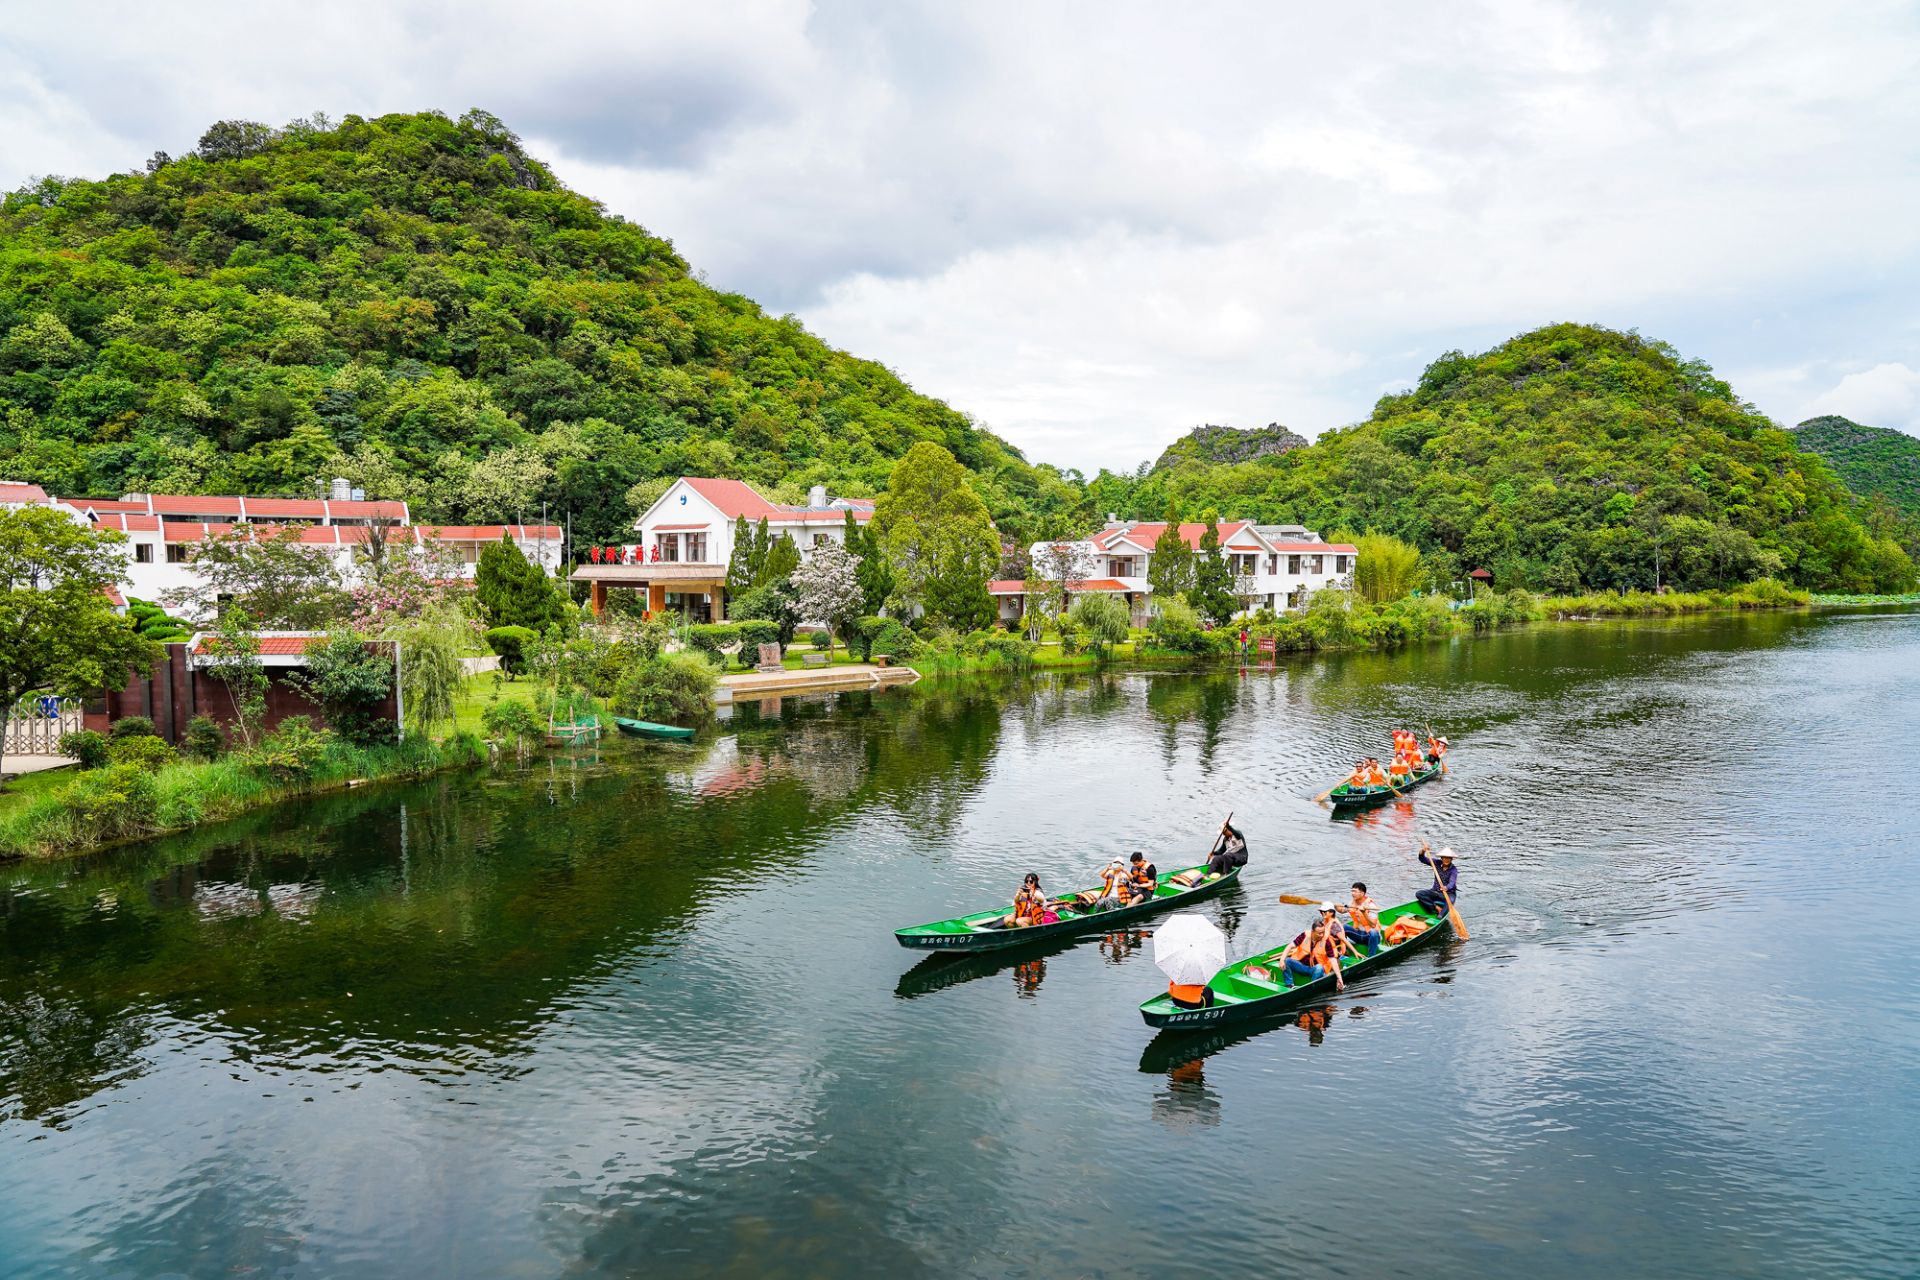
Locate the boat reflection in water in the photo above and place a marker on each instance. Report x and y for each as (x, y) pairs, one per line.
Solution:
(1173, 1051)
(1187, 1101)
(1028, 975)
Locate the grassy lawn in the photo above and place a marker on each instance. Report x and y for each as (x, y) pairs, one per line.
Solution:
(477, 691)
(23, 789)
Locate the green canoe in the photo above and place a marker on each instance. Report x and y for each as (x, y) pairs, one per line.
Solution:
(1350, 797)
(983, 931)
(648, 729)
(1239, 996)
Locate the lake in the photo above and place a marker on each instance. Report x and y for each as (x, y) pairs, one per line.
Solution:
(640, 1010)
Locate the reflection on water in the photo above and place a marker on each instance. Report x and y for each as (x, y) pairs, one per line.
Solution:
(638, 1006)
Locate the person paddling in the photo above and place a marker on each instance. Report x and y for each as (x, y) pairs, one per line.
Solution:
(1229, 851)
(1431, 899)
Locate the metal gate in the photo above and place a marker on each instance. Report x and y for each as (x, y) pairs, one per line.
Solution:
(34, 725)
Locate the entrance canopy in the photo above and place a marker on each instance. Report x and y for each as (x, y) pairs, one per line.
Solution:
(709, 580)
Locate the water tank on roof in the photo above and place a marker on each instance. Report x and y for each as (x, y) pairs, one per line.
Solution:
(359, 495)
(817, 496)
(342, 491)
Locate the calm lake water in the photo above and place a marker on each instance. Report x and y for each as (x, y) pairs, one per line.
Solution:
(642, 1012)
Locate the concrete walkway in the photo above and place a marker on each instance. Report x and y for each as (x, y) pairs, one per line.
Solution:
(18, 766)
(857, 675)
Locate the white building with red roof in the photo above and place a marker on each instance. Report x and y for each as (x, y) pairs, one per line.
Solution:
(1274, 566)
(685, 542)
(164, 531)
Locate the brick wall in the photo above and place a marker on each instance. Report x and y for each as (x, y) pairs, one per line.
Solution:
(172, 693)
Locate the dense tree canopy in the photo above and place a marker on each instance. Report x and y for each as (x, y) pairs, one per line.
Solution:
(415, 303)
(1880, 465)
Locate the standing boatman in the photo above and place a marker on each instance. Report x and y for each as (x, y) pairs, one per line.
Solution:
(1431, 900)
(1229, 851)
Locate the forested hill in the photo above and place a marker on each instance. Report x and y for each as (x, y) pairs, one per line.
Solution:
(1871, 461)
(1568, 457)
(417, 304)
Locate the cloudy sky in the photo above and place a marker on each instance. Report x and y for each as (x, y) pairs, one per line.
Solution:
(1096, 225)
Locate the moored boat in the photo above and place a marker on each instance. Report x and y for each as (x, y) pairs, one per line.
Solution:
(1345, 796)
(648, 729)
(985, 930)
(1239, 996)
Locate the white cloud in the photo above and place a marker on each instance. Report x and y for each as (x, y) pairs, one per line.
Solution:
(1887, 395)
(1094, 225)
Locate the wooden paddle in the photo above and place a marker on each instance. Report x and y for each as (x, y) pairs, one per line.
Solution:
(1294, 899)
(1453, 913)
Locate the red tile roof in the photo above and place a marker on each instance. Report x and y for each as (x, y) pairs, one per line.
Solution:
(675, 528)
(105, 504)
(10, 491)
(1316, 548)
(367, 510)
(183, 504)
(1016, 586)
(279, 645)
(1146, 534)
(490, 532)
(734, 498)
(128, 522)
(810, 515)
(114, 598)
(303, 508)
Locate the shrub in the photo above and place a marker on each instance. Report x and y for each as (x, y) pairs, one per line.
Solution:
(710, 637)
(671, 688)
(511, 722)
(292, 751)
(130, 727)
(755, 632)
(1012, 651)
(351, 683)
(204, 741)
(112, 803)
(821, 639)
(892, 640)
(770, 603)
(85, 746)
(511, 643)
(1176, 627)
(142, 752)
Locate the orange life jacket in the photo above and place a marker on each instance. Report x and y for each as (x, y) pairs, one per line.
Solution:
(1365, 914)
(1375, 777)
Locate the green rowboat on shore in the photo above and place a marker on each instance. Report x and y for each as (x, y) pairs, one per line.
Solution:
(1239, 996)
(648, 729)
(984, 930)
(1350, 797)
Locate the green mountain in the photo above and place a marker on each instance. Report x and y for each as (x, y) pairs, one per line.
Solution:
(1570, 457)
(417, 304)
(1874, 462)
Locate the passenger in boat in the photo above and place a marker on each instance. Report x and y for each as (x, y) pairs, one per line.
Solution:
(1316, 952)
(1142, 879)
(1363, 920)
(1437, 750)
(1190, 995)
(1030, 904)
(1360, 777)
(1376, 776)
(1430, 898)
(1113, 887)
(1398, 771)
(1229, 851)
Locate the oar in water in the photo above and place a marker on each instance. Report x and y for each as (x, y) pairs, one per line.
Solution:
(1453, 912)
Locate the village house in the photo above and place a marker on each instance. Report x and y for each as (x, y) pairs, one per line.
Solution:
(1274, 566)
(686, 542)
(163, 531)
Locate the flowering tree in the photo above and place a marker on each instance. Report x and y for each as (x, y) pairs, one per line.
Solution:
(826, 589)
(1051, 573)
(402, 587)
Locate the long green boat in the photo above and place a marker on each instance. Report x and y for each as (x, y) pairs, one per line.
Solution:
(985, 931)
(648, 729)
(1239, 996)
(1345, 796)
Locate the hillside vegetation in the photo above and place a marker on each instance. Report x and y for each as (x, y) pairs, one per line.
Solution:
(1879, 464)
(417, 304)
(1566, 459)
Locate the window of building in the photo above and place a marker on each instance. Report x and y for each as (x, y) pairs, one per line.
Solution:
(1293, 564)
(669, 546)
(822, 539)
(176, 553)
(1339, 564)
(1315, 564)
(1273, 567)
(696, 547)
(143, 553)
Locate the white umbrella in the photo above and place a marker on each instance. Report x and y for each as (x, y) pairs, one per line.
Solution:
(1189, 949)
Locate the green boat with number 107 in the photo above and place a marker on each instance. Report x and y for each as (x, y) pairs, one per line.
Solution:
(986, 930)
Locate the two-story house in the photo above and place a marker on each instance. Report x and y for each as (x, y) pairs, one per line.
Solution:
(1274, 566)
(685, 542)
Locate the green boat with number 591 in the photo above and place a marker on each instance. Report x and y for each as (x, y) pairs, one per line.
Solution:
(988, 930)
